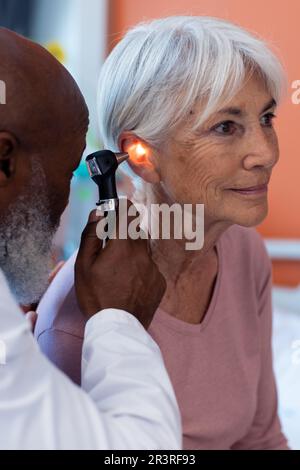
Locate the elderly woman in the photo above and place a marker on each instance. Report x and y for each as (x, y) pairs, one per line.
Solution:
(199, 94)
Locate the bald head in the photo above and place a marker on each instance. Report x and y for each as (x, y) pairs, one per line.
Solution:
(45, 117)
(43, 128)
(39, 91)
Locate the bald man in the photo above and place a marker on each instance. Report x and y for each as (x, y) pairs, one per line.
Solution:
(42, 138)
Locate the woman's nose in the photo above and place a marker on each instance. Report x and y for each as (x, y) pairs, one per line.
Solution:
(261, 149)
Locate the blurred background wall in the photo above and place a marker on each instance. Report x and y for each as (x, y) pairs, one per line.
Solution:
(17, 15)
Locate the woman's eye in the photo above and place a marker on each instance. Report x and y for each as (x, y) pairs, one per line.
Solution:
(267, 119)
(225, 128)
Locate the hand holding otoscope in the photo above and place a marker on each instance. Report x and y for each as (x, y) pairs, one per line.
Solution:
(123, 275)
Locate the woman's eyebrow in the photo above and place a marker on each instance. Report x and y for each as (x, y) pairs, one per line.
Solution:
(239, 112)
(269, 105)
(231, 110)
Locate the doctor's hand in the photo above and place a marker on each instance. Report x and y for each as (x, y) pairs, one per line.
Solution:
(122, 275)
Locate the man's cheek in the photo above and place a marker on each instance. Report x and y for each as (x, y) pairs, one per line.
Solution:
(58, 204)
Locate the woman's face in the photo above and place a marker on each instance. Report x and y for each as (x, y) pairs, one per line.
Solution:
(234, 150)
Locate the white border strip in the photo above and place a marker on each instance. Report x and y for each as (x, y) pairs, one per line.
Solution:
(283, 249)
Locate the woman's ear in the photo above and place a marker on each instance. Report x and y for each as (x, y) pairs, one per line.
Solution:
(143, 160)
(8, 146)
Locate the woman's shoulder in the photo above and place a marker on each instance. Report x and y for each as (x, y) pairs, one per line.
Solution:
(244, 236)
(247, 246)
(58, 308)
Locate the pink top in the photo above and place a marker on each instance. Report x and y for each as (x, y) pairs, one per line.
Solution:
(221, 369)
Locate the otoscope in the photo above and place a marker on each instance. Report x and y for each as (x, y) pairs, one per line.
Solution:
(102, 168)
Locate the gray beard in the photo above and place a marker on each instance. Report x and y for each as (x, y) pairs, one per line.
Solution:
(26, 238)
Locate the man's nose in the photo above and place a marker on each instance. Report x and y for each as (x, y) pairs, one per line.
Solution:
(261, 149)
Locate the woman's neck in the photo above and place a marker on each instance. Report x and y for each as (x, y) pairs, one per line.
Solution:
(171, 255)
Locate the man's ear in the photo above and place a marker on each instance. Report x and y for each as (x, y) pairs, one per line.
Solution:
(8, 145)
(143, 160)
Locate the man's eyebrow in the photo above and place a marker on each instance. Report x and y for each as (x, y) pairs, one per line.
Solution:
(238, 112)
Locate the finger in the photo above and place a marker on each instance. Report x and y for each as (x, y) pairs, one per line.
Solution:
(32, 319)
(28, 308)
(90, 244)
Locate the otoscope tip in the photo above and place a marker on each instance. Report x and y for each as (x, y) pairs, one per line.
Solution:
(122, 157)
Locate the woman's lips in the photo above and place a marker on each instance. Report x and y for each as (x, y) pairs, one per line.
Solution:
(253, 191)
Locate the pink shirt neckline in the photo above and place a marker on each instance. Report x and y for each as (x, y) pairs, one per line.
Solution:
(188, 329)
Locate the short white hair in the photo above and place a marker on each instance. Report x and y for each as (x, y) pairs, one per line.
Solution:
(161, 69)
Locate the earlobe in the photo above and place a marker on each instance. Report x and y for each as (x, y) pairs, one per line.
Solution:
(8, 146)
(142, 160)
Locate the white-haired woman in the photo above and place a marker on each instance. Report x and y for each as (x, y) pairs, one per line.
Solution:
(199, 94)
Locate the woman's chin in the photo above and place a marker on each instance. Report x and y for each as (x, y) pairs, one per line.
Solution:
(252, 217)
